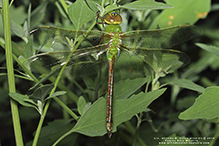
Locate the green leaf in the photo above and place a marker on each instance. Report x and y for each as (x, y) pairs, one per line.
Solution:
(17, 14)
(145, 5)
(188, 84)
(81, 104)
(130, 87)
(184, 12)
(38, 14)
(200, 65)
(93, 121)
(17, 29)
(22, 99)
(80, 13)
(206, 106)
(51, 132)
(58, 93)
(2, 42)
(93, 4)
(184, 103)
(209, 48)
(25, 101)
(167, 65)
(110, 8)
(215, 64)
(62, 7)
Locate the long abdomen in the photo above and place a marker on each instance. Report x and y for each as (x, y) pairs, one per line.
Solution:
(109, 116)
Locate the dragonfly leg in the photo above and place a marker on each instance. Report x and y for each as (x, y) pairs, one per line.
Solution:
(98, 16)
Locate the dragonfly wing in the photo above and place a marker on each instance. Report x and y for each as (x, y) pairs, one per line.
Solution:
(48, 38)
(82, 62)
(131, 65)
(159, 60)
(160, 38)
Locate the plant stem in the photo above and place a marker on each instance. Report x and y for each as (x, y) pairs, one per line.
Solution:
(36, 137)
(53, 90)
(10, 71)
(64, 5)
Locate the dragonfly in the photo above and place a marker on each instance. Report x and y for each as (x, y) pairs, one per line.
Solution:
(134, 50)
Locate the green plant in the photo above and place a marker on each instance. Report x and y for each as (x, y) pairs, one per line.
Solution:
(77, 109)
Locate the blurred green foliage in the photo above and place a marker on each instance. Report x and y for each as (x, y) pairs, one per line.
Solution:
(188, 108)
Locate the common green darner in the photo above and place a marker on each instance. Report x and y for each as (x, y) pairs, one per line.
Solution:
(142, 46)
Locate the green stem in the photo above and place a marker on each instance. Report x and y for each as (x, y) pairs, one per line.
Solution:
(78, 85)
(48, 103)
(64, 5)
(42, 70)
(155, 82)
(10, 71)
(132, 131)
(36, 137)
(66, 108)
(102, 3)
(150, 121)
(129, 127)
(47, 106)
(61, 86)
(63, 136)
(54, 88)
(64, 112)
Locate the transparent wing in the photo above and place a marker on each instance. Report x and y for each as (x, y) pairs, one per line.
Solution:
(57, 44)
(48, 38)
(143, 60)
(160, 38)
(82, 62)
(140, 49)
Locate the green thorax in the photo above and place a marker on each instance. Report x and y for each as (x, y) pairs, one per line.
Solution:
(113, 19)
(113, 28)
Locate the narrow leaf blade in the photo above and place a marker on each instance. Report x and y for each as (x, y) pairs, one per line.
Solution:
(188, 84)
(212, 49)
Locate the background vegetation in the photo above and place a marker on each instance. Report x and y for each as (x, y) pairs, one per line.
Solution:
(188, 107)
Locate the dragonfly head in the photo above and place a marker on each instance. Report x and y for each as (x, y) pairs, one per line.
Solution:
(113, 17)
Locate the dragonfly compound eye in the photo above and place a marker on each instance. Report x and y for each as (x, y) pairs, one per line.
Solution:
(114, 14)
(113, 18)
